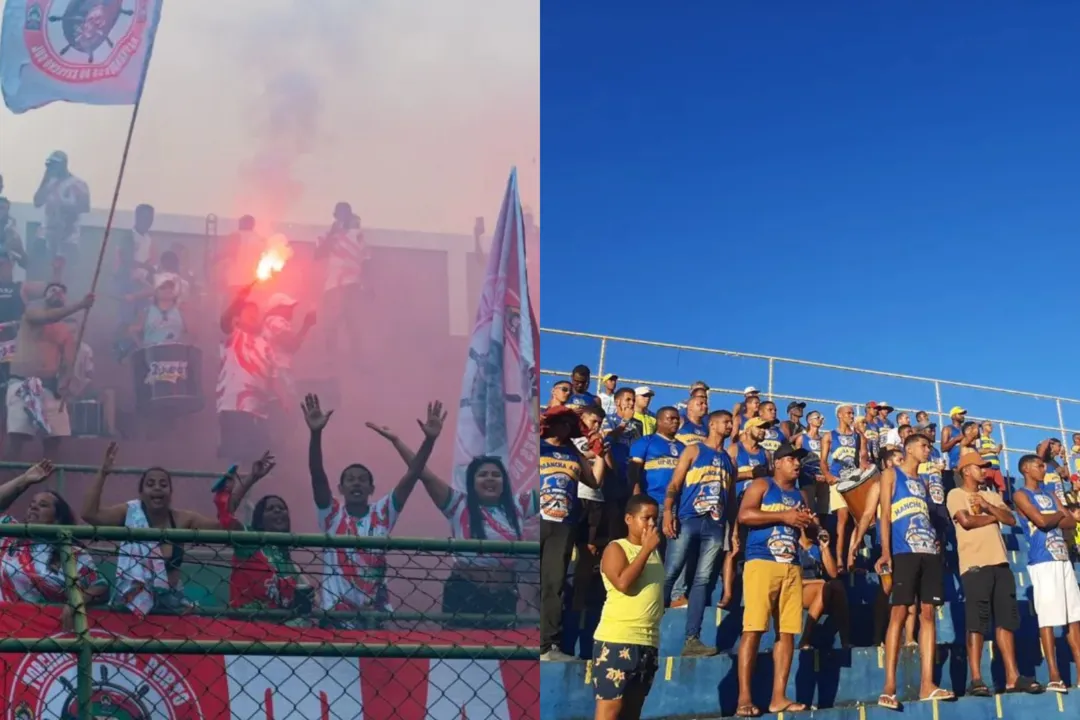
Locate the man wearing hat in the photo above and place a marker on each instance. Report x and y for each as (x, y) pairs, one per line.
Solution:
(793, 425)
(747, 408)
(773, 512)
(643, 395)
(951, 437)
(989, 585)
(607, 392)
(64, 198)
(751, 460)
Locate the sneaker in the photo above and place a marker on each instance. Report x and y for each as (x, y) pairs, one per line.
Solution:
(693, 647)
(556, 656)
(679, 603)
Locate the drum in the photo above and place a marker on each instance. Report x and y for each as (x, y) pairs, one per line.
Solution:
(168, 378)
(855, 486)
(87, 419)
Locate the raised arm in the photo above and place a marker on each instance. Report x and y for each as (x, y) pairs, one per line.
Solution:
(227, 317)
(432, 425)
(47, 316)
(259, 469)
(12, 489)
(436, 487)
(316, 420)
(92, 512)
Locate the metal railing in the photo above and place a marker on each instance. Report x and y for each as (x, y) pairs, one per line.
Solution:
(773, 363)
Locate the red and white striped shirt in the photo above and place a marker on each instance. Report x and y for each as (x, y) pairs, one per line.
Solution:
(356, 578)
(346, 256)
(248, 365)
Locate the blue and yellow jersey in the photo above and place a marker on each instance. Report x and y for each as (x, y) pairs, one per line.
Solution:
(706, 485)
(843, 451)
(691, 433)
(746, 460)
(778, 542)
(986, 446)
(560, 469)
(658, 457)
(912, 531)
(1044, 545)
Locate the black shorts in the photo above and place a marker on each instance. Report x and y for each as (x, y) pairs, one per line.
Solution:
(244, 437)
(990, 599)
(619, 669)
(917, 576)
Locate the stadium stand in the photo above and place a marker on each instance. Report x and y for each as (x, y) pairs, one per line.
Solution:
(838, 682)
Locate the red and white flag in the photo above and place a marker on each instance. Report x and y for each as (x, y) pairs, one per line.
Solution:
(256, 687)
(500, 412)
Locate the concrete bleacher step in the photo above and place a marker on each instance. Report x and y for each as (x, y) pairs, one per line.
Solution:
(838, 681)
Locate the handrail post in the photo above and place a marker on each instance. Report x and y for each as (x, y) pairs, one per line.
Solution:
(770, 388)
(600, 367)
(940, 409)
(1064, 443)
(85, 668)
(60, 481)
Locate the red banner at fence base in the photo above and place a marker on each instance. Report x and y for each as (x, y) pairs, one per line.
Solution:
(136, 686)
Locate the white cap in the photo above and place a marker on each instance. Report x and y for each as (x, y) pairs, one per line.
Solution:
(750, 390)
(643, 390)
(280, 300)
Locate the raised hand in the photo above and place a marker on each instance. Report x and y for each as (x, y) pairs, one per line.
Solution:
(38, 472)
(262, 467)
(382, 430)
(314, 416)
(110, 458)
(435, 417)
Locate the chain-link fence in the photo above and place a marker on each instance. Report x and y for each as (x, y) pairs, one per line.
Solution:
(112, 622)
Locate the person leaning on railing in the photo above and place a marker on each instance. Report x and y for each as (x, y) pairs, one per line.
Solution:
(147, 572)
(33, 572)
(355, 579)
(487, 509)
(263, 577)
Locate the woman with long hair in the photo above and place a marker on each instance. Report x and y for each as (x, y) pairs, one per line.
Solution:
(148, 573)
(32, 571)
(487, 509)
(264, 577)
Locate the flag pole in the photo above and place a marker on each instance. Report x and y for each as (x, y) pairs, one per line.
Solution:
(108, 226)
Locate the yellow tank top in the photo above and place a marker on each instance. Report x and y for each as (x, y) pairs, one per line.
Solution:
(986, 449)
(634, 618)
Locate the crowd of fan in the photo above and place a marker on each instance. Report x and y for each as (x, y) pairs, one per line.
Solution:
(659, 506)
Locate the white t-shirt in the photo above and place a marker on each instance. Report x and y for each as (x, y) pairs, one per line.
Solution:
(497, 525)
(274, 328)
(356, 578)
(62, 195)
(143, 244)
(248, 364)
(584, 492)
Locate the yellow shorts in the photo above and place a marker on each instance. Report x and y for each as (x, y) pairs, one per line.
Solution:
(836, 500)
(828, 499)
(772, 588)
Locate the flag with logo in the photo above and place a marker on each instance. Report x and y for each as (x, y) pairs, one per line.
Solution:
(93, 52)
(499, 409)
(260, 687)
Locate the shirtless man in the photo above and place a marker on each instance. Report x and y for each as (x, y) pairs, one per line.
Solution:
(41, 370)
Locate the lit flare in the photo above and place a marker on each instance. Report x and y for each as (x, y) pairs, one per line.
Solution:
(273, 259)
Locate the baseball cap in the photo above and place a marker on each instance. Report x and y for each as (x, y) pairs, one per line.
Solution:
(957, 410)
(871, 405)
(750, 390)
(609, 376)
(883, 404)
(643, 390)
(699, 384)
(792, 405)
(57, 157)
(971, 458)
(280, 300)
(756, 422)
(786, 449)
(925, 426)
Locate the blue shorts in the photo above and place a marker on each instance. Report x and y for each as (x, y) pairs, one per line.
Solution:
(618, 669)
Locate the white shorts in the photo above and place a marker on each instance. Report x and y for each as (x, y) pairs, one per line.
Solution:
(1056, 593)
(18, 421)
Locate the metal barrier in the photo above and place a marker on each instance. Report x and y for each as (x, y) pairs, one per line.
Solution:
(773, 364)
(238, 650)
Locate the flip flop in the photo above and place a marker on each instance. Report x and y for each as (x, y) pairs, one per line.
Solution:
(1025, 685)
(889, 702)
(792, 707)
(980, 689)
(750, 711)
(1057, 686)
(941, 695)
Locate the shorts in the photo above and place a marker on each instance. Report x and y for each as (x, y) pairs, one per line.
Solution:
(19, 422)
(1056, 594)
(619, 668)
(990, 599)
(771, 587)
(244, 436)
(828, 499)
(995, 478)
(917, 576)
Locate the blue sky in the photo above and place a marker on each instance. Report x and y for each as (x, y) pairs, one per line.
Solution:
(879, 185)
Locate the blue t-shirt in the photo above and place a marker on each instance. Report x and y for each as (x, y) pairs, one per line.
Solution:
(658, 457)
(620, 444)
(1044, 545)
